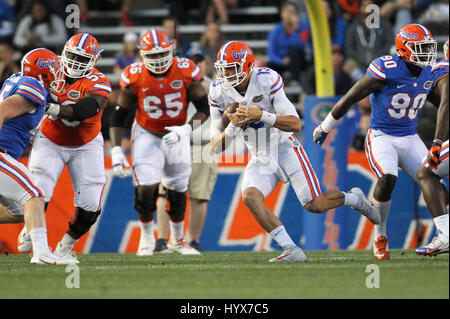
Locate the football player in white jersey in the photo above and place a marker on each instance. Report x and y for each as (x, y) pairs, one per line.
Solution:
(266, 120)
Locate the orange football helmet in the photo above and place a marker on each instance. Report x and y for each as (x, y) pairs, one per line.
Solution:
(156, 50)
(415, 44)
(235, 62)
(44, 65)
(80, 54)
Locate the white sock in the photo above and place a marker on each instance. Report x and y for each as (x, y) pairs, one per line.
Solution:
(281, 236)
(441, 223)
(67, 240)
(177, 230)
(350, 199)
(147, 228)
(384, 207)
(39, 240)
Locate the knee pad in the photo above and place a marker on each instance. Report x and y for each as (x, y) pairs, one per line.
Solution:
(176, 204)
(145, 199)
(81, 222)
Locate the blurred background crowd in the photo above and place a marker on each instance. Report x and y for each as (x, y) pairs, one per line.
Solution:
(279, 33)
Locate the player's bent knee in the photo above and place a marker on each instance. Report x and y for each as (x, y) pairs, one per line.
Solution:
(145, 199)
(81, 222)
(176, 205)
(252, 197)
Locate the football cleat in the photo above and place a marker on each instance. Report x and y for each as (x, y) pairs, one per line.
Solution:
(66, 253)
(439, 245)
(381, 248)
(24, 243)
(290, 254)
(366, 207)
(146, 246)
(161, 246)
(183, 248)
(195, 244)
(51, 259)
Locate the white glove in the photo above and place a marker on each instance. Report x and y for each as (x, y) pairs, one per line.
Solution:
(121, 167)
(176, 134)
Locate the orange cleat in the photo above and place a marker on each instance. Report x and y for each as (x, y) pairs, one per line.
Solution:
(381, 248)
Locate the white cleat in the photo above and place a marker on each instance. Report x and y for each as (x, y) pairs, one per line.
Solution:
(180, 246)
(146, 246)
(290, 254)
(439, 245)
(24, 243)
(50, 259)
(366, 207)
(66, 253)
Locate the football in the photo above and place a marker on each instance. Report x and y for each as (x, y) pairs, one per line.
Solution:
(230, 109)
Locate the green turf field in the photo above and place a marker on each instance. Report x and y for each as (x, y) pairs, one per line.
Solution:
(327, 274)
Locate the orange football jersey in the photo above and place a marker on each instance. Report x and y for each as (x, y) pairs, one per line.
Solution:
(76, 133)
(162, 101)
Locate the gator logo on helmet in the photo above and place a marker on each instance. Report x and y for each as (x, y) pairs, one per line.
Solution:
(408, 35)
(240, 54)
(41, 63)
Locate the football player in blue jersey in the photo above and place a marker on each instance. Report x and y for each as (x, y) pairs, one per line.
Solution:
(435, 166)
(23, 98)
(398, 87)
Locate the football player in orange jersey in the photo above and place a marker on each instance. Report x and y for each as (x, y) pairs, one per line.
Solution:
(70, 135)
(162, 86)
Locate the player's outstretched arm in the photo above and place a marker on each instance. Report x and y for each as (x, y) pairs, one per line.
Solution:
(365, 86)
(125, 102)
(15, 106)
(85, 108)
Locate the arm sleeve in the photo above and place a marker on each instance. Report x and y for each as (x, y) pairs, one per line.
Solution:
(125, 78)
(101, 87)
(215, 111)
(278, 98)
(32, 90)
(376, 70)
(439, 71)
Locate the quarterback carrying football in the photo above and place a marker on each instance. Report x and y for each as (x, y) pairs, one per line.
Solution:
(266, 120)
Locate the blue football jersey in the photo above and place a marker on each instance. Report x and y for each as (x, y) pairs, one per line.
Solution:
(395, 108)
(16, 133)
(440, 70)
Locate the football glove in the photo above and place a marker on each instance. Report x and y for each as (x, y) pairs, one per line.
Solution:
(121, 167)
(176, 133)
(319, 135)
(434, 152)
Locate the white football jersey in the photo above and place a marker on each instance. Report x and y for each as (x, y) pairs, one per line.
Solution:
(265, 89)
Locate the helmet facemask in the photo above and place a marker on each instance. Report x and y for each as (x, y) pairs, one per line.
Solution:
(236, 78)
(77, 64)
(157, 65)
(423, 53)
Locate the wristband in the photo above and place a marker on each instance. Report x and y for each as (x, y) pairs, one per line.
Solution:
(53, 109)
(328, 123)
(231, 130)
(268, 118)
